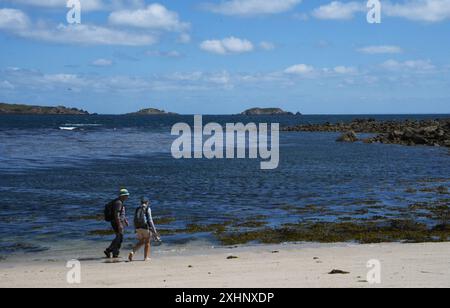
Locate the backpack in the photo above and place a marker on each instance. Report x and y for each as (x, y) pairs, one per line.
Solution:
(109, 211)
(140, 219)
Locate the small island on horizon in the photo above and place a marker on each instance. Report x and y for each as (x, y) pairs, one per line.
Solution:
(151, 111)
(267, 112)
(22, 109)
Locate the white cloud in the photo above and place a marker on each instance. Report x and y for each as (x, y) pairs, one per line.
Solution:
(193, 76)
(17, 23)
(420, 10)
(267, 46)
(231, 45)
(337, 10)
(88, 35)
(310, 71)
(380, 50)
(11, 19)
(411, 65)
(300, 69)
(165, 54)
(223, 78)
(415, 10)
(301, 16)
(252, 7)
(86, 5)
(62, 78)
(184, 38)
(102, 62)
(345, 70)
(155, 16)
(22, 81)
(5, 84)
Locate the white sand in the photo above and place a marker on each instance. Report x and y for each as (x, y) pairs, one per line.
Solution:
(403, 265)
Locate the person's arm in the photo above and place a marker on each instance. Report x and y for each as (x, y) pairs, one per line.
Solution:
(125, 219)
(151, 224)
(117, 211)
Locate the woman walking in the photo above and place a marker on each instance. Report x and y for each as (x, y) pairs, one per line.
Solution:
(145, 229)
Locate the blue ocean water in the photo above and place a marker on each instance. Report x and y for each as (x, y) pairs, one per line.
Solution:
(53, 180)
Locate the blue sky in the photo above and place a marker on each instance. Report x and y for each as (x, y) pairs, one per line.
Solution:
(221, 57)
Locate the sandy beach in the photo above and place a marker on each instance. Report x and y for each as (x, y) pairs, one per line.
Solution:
(279, 266)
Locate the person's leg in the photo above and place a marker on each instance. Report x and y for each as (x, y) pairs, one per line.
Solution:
(113, 244)
(138, 246)
(117, 245)
(140, 243)
(147, 250)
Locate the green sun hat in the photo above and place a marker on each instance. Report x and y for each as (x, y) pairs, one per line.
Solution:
(124, 192)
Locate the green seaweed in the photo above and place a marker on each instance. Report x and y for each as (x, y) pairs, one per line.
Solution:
(98, 217)
(250, 224)
(213, 228)
(370, 232)
(101, 233)
(164, 220)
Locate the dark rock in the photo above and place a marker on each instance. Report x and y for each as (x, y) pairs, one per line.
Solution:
(338, 272)
(348, 137)
(409, 133)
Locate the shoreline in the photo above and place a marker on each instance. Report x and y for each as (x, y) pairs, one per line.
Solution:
(262, 266)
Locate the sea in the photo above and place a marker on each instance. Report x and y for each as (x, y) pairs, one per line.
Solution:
(55, 182)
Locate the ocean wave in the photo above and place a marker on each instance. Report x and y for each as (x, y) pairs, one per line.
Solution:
(82, 125)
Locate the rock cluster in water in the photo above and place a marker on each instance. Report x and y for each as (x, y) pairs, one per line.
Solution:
(427, 132)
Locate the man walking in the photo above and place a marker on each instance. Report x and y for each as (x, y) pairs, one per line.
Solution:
(118, 222)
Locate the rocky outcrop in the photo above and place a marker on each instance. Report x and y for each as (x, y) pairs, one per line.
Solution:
(151, 111)
(436, 135)
(427, 132)
(265, 111)
(39, 110)
(348, 137)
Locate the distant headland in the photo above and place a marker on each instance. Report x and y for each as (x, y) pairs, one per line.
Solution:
(39, 110)
(266, 111)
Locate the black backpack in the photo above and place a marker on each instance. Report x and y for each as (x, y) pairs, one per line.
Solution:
(109, 211)
(140, 218)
